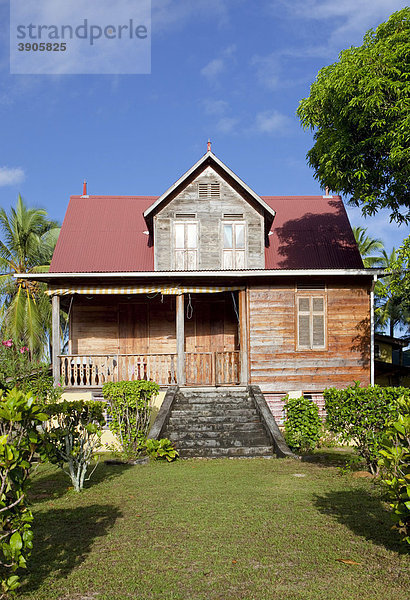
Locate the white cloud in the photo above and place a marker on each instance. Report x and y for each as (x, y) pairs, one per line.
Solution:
(215, 107)
(272, 121)
(214, 68)
(379, 226)
(167, 15)
(227, 124)
(218, 65)
(352, 18)
(268, 69)
(11, 176)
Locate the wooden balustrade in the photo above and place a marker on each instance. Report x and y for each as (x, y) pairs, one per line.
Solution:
(202, 368)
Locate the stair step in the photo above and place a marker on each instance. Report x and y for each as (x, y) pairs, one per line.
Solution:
(215, 423)
(211, 426)
(209, 398)
(245, 413)
(238, 452)
(219, 442)
(187, 421)
(213, 406)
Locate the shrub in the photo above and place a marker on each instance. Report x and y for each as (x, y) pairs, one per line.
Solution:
(41, 385)
(15, 364)
(129, 406)
(303, 424)
(73, 434)
(19, 440)
(395, 465)
(18, 369)
(162, 449)
(359, 415)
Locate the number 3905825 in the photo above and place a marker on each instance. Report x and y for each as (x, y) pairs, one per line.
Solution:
(42, 47)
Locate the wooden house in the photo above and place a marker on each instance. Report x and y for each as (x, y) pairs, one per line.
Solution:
(211, 284)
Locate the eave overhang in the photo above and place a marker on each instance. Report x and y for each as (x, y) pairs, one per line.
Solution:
(248, 274)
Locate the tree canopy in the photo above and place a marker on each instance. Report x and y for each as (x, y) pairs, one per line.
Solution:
(27, 245)
(359, 110)
(369, 247)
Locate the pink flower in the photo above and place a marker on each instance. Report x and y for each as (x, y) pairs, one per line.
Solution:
(58, 384)
(24, 349)
(8, 343)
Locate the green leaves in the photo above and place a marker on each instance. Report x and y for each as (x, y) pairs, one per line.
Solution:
(358, 109)
(19, 440)
(130, 413)
(359, 415)
(73, 434)
(303, 424)
(162, 449)
(394, 462)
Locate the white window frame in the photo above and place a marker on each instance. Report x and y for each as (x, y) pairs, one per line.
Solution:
(185, 249)
(311, 314)
(233, 249)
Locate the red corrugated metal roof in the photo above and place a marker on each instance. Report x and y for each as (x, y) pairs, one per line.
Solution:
(311, 232)
(106, 234)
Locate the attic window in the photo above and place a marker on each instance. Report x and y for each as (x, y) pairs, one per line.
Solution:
(209, 190)
(233, 216)
(185, 215)
(310, 286)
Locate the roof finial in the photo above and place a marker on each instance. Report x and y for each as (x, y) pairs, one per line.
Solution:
(209, 146)
(327, 190)
(84, 188)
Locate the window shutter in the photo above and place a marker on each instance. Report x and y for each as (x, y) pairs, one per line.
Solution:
(304, 322)
(318, 337)
(318, 323)
(311, 322)
(304, 330)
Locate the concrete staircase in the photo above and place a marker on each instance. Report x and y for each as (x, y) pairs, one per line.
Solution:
(217, 422)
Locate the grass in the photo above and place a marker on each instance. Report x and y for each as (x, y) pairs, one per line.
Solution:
(215, 530)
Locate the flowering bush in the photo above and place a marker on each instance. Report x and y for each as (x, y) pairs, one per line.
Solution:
(15, 364)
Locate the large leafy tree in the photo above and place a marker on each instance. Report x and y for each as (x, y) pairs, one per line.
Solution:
(391, 309)
(27, 244)
(369, 247)
(359, 110)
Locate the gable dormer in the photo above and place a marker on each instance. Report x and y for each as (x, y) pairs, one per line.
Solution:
(209, 220)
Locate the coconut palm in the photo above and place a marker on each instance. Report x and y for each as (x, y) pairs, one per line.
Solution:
(27, 246)
(390, 310)
(368, 247)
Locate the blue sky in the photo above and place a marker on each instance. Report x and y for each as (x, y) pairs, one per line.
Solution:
(231, 70)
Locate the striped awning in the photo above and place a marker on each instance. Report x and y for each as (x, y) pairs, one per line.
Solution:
(152, 289)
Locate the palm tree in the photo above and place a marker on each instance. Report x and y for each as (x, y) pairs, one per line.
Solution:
(28, 243)
(389, 310)
(367, 247)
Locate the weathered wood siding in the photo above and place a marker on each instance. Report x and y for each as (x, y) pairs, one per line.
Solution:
(125, 327)
(276, 364)
(209, 214)
(149, 326)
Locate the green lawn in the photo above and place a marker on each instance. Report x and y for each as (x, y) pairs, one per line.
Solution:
(220, 529)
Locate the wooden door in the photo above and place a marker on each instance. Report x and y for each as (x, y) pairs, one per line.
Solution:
(134, 340)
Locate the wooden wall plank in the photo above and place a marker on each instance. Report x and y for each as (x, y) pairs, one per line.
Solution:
(275, 363)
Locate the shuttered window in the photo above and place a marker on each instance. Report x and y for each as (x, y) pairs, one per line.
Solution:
(234, 245)
(186, 246)
(311, 322)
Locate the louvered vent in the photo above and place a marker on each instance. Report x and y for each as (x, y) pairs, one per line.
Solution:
(233, 216)
(185, 215)
(215, 190)
(310, 285)
(209, 190)
(203, 190)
